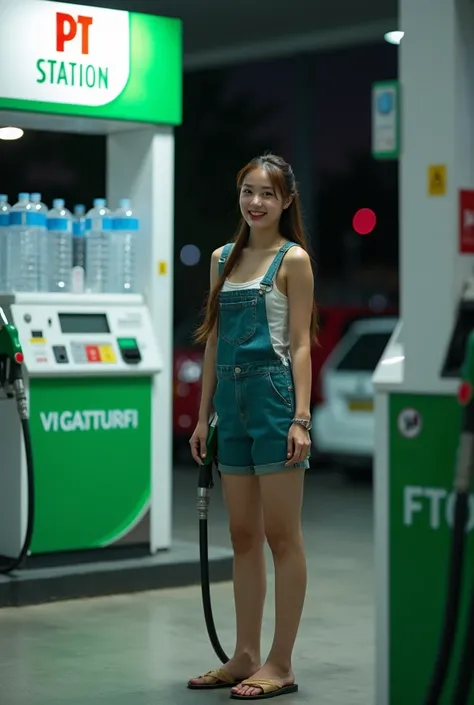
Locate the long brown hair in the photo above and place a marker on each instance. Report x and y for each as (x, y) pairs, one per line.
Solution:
(291, 227)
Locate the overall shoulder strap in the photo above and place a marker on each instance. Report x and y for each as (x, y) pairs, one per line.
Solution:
(274, 266)
(224, 254)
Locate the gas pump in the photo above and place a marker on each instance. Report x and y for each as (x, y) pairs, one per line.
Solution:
(462, 486)
(12, 385)
(424, 525)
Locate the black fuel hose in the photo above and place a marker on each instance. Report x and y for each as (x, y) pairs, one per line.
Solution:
(465, 676)
(206, 592)
(462, 488)
(8, 564)
(453, 600)
(205, 484)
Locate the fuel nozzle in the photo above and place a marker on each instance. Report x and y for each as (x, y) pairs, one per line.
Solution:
(205, 479)
(11, 361)
(205, 484)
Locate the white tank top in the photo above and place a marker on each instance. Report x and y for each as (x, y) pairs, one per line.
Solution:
(277, 314)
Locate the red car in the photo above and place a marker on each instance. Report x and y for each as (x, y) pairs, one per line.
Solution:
(333, 321)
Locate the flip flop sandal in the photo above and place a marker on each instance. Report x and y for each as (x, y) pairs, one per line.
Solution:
(270, 689)
(221, 680)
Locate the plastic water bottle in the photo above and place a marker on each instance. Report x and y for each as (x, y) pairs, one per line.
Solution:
(123, 250)
(23, 246)
(79, 249)
(59, 225)
(43, 243)
(4, 225)
(98, 229)
(37, 204)
(17, 225)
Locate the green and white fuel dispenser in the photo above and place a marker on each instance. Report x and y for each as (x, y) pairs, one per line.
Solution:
(423, 479)
(89, 364)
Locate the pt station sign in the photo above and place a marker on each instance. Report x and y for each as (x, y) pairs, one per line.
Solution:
(90, 61)
(73, 73)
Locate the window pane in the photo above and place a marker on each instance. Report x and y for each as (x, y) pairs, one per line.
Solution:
(365, 354)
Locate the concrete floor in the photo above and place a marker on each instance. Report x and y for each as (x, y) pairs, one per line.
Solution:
(141, 649)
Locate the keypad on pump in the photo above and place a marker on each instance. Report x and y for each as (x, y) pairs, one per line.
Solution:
(98, 353)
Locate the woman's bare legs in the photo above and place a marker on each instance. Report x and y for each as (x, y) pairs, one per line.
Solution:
(282, 495)
(243, 501)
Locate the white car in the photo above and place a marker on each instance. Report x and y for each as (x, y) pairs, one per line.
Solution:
(343, 424)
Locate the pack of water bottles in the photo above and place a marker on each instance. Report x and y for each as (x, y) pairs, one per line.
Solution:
(54, 250)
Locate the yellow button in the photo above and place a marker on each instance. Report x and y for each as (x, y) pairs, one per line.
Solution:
(106, 353)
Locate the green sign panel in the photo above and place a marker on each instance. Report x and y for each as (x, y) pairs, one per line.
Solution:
(92, 454)
(424, 434)
(386, 120)
(90, 62)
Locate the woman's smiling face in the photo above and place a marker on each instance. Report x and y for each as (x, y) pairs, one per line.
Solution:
(261, 206)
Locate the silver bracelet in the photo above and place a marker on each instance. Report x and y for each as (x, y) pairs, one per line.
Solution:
(303, 422)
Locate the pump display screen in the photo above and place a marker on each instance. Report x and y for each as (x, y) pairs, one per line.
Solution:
(83, 323)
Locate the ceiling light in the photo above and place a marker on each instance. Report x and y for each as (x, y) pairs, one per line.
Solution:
(10, 133)
(394, 37)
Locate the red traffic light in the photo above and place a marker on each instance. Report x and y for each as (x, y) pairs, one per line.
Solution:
(464, 393)
(19, 357)
(364, 221)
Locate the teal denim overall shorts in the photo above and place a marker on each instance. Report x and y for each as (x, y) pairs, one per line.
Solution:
(254, 397)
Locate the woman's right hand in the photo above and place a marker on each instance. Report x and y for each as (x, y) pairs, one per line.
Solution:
(198, 441)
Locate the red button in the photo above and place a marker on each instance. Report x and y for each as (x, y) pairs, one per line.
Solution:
(464, 393)
(92, 352)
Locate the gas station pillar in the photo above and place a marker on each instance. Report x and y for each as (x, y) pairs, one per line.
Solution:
(436, 73)
(417, 415)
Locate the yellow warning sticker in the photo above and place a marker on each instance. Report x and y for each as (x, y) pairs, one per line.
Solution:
(37, 341)
(437, 180)
(162, 267)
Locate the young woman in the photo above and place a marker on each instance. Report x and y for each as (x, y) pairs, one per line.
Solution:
(258, 331)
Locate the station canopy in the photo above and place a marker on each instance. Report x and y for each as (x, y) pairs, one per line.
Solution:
(223, 32)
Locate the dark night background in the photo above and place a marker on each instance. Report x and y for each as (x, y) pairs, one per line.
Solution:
(230, 115)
